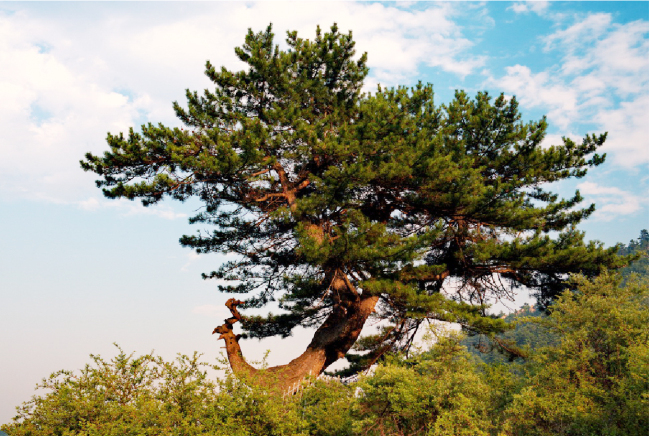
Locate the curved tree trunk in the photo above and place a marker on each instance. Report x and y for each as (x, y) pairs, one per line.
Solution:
(331, 341)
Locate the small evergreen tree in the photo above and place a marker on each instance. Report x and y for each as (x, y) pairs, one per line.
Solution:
(342, 204)
(639, 248)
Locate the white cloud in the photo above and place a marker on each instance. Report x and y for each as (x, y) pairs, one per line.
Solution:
(129, 208)
(161, 211)
(192, 256)
(611, 202)
(602, 80)
(91, 204)
(69, 76)
(550, 140)
(583, 32)
(538, 7)
(611, 55)
(540, 90)
(50, 116)
(627, 126)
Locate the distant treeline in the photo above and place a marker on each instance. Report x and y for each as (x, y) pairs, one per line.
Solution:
(528, 333)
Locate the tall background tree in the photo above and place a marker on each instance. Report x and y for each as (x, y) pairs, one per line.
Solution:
(342, 205)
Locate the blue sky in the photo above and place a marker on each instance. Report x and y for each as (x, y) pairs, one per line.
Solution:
(79, 272)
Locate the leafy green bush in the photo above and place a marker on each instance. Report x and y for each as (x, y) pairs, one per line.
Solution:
(147, 396)
(592, 381)
(595, 381)
(441, 392)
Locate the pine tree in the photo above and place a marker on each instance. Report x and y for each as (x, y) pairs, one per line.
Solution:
(638, 247)
(341, 204)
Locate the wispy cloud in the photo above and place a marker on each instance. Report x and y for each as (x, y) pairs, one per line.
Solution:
(611, 56)
(611, 202)
(627, 127)
(51, 114)
(130, 208)
(602, 79)
(192, 257)
(542, 90)
(537, 7)
(69, 77)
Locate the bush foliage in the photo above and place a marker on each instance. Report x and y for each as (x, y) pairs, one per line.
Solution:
(593, 380)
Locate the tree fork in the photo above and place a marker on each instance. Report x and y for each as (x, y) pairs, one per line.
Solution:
(331, 341)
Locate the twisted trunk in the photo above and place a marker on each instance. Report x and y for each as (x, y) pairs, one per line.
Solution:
(331, 341)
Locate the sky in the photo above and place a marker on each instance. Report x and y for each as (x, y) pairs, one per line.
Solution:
(79, 272)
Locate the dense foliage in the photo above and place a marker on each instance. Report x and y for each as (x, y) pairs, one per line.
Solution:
(340, 202)
(638, 247)
(528, 333)
(593, 381)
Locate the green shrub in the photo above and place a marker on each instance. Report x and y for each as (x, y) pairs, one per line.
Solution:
(440, 392)
(595, 381)
(592, 381)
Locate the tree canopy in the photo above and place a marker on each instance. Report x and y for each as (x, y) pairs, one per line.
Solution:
(638, 247)
(341, 204)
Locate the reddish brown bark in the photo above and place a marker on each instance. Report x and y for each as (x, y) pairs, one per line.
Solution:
(330, 342)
